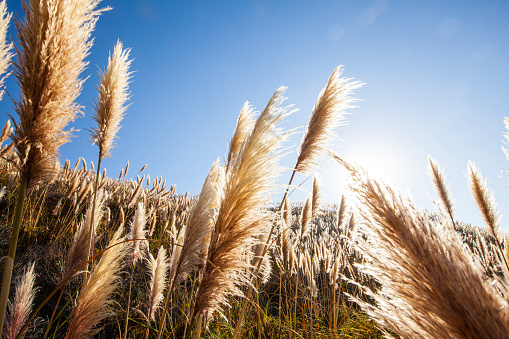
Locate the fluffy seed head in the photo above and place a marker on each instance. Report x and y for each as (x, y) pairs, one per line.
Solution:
(54, 40)
(431, 286)
(249, 181)
(21, 308)
(94, 298)
(158, 268)
(328, 113)
(5, 47)
(113, 95)
(438, 177)
(138, 232)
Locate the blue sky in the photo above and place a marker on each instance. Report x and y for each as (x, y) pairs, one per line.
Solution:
(436, 74)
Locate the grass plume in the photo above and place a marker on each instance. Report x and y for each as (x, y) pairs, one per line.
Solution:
(21, 307)
(95, 295)
(328, 113)
(431, 286)
(158, 268)
(5, 47)
(111, 104)
(438, 178)
(249, 181)
(54, 40)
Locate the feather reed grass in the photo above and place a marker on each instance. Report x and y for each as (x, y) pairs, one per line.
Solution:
(431, 286)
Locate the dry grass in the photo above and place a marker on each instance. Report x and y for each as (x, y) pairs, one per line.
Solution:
(95, 295)
(21, 307)
(328, 113)
(113, 95)
(54, 40)
(431, 286)
(249, 181)
(423, 280)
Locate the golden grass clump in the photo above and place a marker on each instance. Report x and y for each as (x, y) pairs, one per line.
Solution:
(95, 295)
(113, 95)
(54, 40)
(431, 286)
(249, 181)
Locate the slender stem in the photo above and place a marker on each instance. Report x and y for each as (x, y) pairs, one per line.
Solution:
(129, 301)
(54, 312)
(9, 260)
(168, 297)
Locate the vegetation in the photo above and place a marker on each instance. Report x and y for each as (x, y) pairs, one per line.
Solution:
(103, 257)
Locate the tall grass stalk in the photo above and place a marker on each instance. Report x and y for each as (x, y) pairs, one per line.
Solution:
(109, 111)
(54, 40)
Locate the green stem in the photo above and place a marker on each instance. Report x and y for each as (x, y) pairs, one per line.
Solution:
(129, 301)
(9, 260)
(54, 312)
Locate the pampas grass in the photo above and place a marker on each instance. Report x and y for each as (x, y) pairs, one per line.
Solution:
(249, 181)
(328, 113)
(431, 286)
(438, 178)
(245, 124)
(5, 47)
(21, 307)
(77, 254)
(95, 296)
(111, 105)
(158, 268)
(54, 40)
(485, 201)
(138, 231)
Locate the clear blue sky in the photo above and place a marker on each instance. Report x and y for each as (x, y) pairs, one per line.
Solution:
(436, 74)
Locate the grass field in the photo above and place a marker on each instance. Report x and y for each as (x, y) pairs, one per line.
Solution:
(90, 255)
